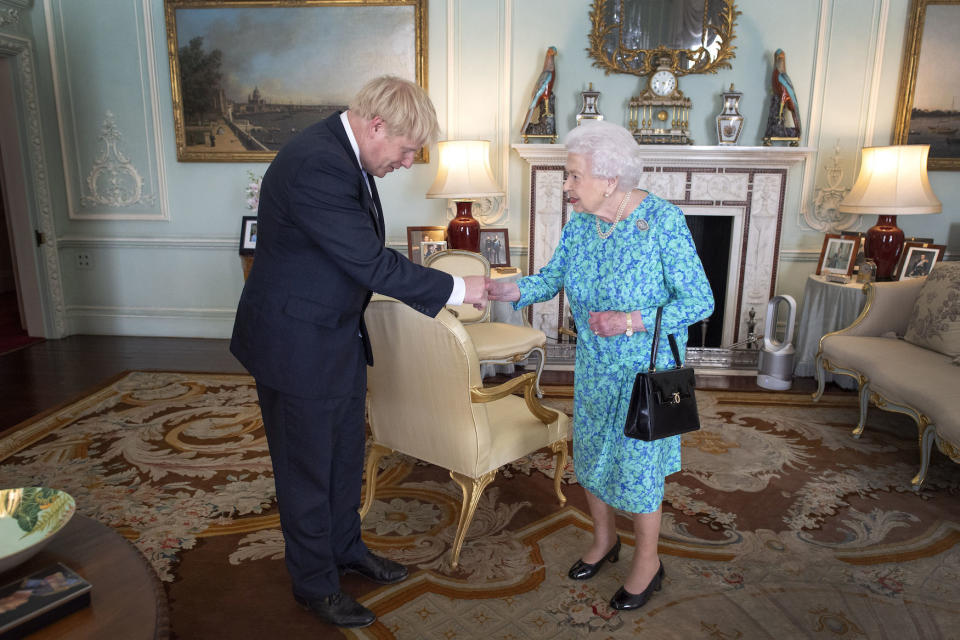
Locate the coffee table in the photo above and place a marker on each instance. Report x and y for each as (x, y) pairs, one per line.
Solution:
(126, 601)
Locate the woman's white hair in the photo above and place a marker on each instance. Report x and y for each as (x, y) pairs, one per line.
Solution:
(611, 149)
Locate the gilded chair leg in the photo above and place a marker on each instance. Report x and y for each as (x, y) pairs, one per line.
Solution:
(377, 451)
(927, 436)
(560, 458)
(821, 375)
(472, 489)
(543, 361)
(864, 393)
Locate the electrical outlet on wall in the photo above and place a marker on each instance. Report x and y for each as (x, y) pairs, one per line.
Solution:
(84, 260)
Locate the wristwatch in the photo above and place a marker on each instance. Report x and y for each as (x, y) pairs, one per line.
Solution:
(629, 331)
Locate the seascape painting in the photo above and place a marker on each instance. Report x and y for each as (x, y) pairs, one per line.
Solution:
(930, 92)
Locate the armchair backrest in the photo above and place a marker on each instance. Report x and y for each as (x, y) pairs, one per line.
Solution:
(418, 391)
(462, 263)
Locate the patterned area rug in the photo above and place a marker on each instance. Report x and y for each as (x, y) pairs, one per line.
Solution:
(779, 525)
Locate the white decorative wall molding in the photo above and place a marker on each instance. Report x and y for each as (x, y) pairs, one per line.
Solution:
(89, 192)
(815, 114)
(174, 322)
(818, 214)
(172, 243)
(799, 255)
(824, 215)
(113, 181)
(9, 16)
(21, 50)
(489, 211)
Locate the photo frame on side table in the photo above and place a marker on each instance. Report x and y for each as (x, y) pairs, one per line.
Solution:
(237, 97)
(416, 236)
(495, 246)
(248, 235)
(838, 255)
(927, 107)
(918, 259)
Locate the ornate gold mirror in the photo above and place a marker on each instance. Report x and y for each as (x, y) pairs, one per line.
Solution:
(633, 36)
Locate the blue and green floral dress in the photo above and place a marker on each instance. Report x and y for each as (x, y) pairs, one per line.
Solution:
(648, 261)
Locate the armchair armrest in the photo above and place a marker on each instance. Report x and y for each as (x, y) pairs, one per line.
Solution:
(528, 382)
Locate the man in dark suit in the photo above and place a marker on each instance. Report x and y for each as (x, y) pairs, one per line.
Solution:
(299, 328)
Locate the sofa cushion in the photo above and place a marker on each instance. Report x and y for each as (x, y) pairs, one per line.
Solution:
(935, 323)
(904, 374)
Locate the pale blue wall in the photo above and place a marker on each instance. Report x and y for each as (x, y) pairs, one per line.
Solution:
(171, 266)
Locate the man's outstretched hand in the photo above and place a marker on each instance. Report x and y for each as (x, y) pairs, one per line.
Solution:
(476, 291)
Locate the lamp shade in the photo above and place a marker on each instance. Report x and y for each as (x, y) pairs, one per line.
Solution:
(464, 171)
(892, 181)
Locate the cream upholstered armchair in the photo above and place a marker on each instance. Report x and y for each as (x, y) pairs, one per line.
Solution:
(496, 342)
(425, 398)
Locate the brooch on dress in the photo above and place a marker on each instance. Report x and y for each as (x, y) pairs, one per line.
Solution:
(642, 225)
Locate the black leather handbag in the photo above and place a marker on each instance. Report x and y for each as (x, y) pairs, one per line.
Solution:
(663, 403)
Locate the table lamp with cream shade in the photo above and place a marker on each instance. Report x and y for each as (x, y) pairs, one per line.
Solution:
(892, 182)
(464, 175)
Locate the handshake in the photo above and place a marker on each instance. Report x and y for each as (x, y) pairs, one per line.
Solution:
(479, 290)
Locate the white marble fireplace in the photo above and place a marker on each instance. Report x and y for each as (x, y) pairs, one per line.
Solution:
(747, 184)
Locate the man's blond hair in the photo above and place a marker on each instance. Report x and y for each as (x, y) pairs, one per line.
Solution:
(404, 106)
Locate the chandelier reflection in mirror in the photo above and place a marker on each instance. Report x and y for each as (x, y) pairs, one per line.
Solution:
(630, 36)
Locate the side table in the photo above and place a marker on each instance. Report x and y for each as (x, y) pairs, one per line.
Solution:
(126, 601)
(827, 306)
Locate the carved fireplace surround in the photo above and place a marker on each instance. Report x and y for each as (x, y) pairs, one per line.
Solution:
(747, 184)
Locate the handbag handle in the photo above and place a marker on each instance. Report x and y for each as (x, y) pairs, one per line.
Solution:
(656, 343)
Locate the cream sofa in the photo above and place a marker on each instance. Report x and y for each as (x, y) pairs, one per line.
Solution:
(904, 352)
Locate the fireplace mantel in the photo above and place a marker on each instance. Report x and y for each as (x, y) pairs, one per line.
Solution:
(746, 183)
(655, 154)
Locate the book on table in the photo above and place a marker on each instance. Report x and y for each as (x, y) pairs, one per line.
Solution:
(39, 599)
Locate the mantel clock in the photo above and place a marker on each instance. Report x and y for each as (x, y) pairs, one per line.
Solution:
(661, 113)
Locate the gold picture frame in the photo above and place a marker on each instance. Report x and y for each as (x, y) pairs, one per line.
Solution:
(248, 75)
(924, 79)
(614, 53)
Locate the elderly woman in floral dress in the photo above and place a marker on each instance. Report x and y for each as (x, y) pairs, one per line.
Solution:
(623, 253)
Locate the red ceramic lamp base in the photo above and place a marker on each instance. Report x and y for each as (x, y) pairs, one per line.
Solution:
(884, 244)
(463, 232)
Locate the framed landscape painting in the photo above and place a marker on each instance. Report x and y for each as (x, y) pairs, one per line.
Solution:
(246, 76)
(928, 104)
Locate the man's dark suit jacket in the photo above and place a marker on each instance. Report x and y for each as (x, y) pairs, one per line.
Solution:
(320, 253)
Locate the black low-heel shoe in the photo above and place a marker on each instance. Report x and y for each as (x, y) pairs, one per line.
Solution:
(584, 570)
(624, 600)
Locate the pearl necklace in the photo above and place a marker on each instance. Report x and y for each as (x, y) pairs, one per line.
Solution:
(616, 221)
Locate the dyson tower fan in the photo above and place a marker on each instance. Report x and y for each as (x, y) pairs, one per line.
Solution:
(775, 368)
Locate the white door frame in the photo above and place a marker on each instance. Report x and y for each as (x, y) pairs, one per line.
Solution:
(19, 191)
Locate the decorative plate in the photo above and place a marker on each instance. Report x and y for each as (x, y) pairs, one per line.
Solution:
(29, 518)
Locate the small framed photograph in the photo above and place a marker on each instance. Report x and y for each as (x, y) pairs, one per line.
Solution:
(416, 236)
(918, 259)
(495, 246)
(430, 247)
(248, 235)
(838, 255)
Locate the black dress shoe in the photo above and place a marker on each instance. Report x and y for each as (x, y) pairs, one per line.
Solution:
(624, 600)
(378, 569)
(584, 570)
(339, 609)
